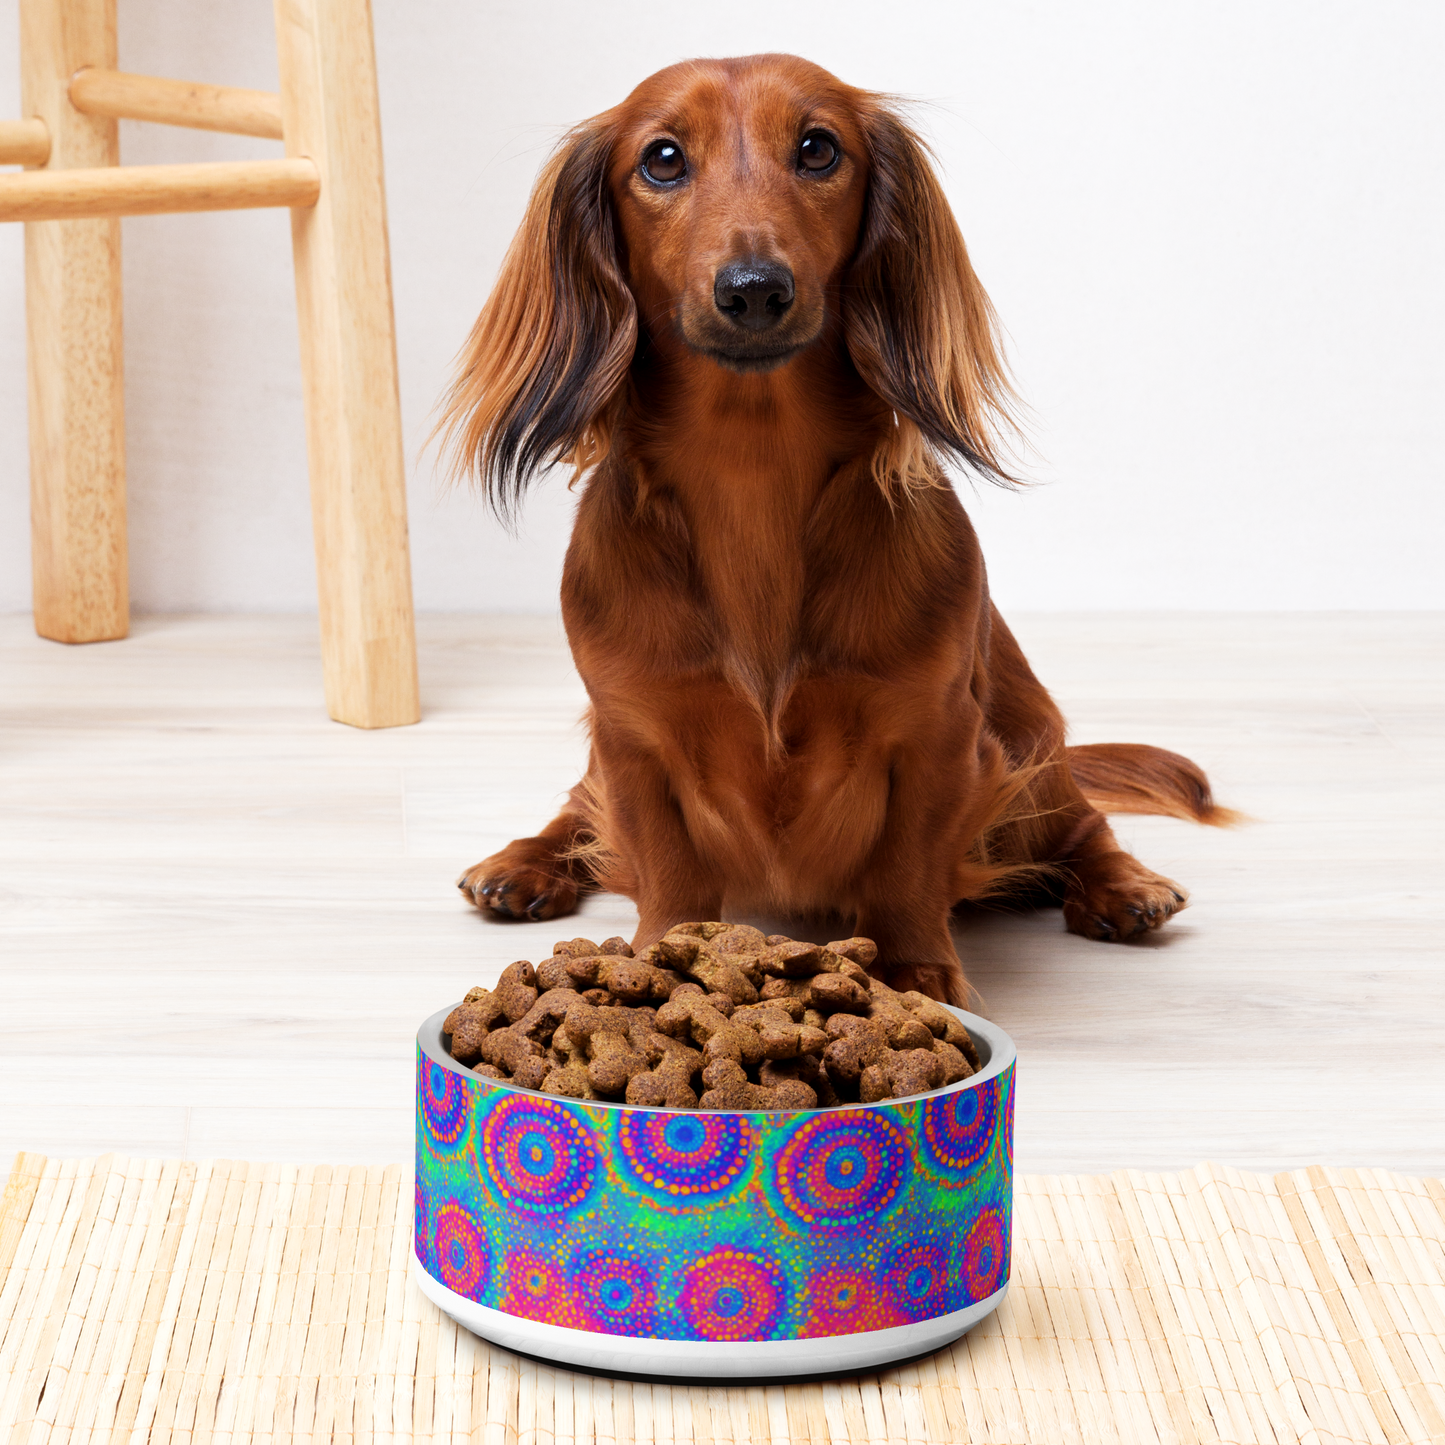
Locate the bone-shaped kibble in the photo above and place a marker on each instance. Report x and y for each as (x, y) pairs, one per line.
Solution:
(570, 1081)
(695, 1018)
(862, 951)
(692, 957)
(545, 1016)
(798, 960)
(668, 1084)
(832, 993)
(728, 1087)
(955, 1066)
(470, 1022)
(575, 948)
(516, 989)
(781, 1037)
(806, 1069)
(506, 1048)
(900, 1075)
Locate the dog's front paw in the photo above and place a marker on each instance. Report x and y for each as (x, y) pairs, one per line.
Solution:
(1115, 898)
(518, 884)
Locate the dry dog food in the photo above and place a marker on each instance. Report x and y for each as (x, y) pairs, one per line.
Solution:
(716, 1016)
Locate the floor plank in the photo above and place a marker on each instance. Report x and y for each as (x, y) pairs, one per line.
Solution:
(223, 916)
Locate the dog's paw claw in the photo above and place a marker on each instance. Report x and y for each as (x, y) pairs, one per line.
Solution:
(518, 891)
(1116, 898)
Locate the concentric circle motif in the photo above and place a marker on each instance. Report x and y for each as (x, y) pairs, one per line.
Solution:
(445, 1103)
(839, 1172)
(917, 1281)
(685, 1157)
(730, 1295)
(985, 1256)
(460, 1250)
(845, 1301)
(615, 1294)
(958, 1129)
(537, 1155)
(536, 1289)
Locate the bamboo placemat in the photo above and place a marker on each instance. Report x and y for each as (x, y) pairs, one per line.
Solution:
(158, 1300)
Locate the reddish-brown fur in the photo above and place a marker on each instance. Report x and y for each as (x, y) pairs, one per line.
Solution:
(803, 700)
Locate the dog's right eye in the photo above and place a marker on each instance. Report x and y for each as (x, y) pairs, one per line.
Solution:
(664, 162)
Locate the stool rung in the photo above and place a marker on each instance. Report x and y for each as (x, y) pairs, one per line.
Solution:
(151, 190)
(24, 143)
(176, 102)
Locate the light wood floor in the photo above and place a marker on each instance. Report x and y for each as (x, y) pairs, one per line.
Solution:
(222, 916)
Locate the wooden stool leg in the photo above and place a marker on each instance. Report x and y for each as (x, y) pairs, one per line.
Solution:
(72, 306)
(348, 360)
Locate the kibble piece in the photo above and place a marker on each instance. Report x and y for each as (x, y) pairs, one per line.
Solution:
(847, 1056)
(516, 989)
(552, 972)
(806, 1069)
(668, 1084)
(863, 951)
(617, 946)
(694, 1018)
(873, 1085)
(738, 939)
(488, 1071)
(728, 1087)
(955, 1066)
(545, 1016)
(797, 960)
(506, 1048)
(908, 1033)
(692, 957)
(576, 947)
(530, 1073)
(913, 1071)
(469, 1024)
(570, 1082)
(832, 993)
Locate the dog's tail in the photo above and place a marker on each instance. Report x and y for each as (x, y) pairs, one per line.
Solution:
(1135, 778)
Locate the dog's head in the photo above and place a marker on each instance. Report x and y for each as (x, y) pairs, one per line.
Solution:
(732, 214)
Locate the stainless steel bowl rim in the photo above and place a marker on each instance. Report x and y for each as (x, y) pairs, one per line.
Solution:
(988, 1038)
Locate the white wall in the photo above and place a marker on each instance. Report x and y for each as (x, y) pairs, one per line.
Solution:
(1212, 229)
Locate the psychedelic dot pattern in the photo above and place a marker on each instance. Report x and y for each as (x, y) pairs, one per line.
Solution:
(732, 1295)
(460, 1249)
(617, 1295)
(446, 1100)
(681, 1158)
(959, 1135)
(538, 1156)
(840, 1171)
(985, 1254)
(657, 1224)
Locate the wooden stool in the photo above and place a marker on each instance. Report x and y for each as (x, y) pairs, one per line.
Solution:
(331, 179)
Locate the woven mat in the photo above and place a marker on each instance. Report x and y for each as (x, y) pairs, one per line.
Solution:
(161, 1300)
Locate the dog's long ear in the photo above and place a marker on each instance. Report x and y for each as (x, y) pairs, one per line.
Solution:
(540, 375)
(920, 327)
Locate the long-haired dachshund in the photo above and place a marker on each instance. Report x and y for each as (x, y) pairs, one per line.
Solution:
(740, 305)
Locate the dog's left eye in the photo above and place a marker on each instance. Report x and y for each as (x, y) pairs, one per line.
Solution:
(818, 151)
(664, 162)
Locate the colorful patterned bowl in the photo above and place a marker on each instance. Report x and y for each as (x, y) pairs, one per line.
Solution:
(713, 1244)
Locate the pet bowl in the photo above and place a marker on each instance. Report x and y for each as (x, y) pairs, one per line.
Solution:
(713, 1243)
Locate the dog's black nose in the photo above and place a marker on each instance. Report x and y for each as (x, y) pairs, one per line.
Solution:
(755, 294)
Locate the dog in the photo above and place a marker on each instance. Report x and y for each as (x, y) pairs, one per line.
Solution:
(740, 308)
